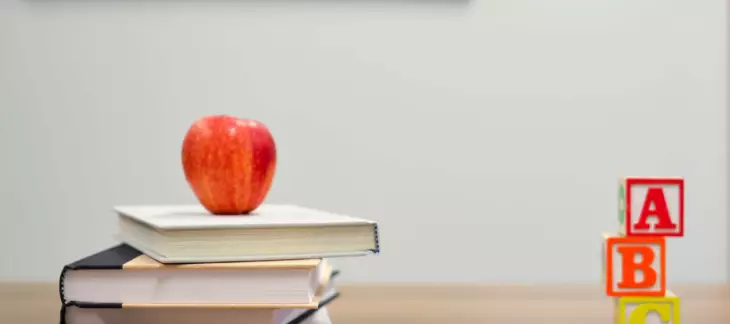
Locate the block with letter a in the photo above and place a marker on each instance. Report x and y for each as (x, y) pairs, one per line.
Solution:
(635, 266)
(647, 310)
(651, 206)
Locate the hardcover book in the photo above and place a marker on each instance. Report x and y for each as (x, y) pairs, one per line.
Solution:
(122, 276)
(186, 234)
(89, 313)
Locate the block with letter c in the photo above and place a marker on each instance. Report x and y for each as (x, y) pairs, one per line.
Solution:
(648, 310)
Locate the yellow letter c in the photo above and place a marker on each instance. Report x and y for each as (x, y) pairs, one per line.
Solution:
(638, 316)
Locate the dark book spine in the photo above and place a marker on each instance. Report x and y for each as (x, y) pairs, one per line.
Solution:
(62, 316)
(61, 284)
(377, 239)
(65, 307)
(112, 258)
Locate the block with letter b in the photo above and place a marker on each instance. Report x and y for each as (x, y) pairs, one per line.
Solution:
(604, 241)
(651, 206)
(635, 266)
(647, 310)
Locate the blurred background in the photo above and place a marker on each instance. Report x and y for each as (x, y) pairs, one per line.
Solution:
(486, 136)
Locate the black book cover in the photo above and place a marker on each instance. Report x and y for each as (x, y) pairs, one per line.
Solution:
(115, 258)
(310, 312)
(297, 320)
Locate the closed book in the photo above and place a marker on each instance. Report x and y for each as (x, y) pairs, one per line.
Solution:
(89, 313)
(122, 276)
(189, 233)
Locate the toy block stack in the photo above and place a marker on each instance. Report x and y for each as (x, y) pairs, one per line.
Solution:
(651, 210)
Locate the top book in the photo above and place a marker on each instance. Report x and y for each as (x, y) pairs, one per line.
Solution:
(189, 233)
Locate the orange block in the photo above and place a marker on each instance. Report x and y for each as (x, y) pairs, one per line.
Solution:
(636, 266)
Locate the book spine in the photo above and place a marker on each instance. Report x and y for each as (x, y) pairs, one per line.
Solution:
(61, 285)
(377, 238)
(66, 305)
(62, 315)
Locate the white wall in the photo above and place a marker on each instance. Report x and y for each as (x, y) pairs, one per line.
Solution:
(485, 136)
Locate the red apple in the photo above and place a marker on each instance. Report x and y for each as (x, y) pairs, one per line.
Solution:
(229, 163)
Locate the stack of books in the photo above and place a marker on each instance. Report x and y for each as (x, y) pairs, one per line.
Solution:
(183, 265)
(651, 210)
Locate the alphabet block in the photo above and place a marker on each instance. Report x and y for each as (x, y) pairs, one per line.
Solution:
(606, 236)
(636, 266)
(647, 310)
(651, 206)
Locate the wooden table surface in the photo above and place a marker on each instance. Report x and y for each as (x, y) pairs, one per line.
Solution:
(426, 304)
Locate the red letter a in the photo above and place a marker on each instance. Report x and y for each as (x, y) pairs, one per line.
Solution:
(655, 197)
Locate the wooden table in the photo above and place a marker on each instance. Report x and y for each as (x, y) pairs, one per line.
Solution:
(426, 304)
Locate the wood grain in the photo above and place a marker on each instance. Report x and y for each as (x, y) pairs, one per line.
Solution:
(427, 304)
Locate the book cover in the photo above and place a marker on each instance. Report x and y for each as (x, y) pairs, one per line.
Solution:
(189, 234)
(251, 277)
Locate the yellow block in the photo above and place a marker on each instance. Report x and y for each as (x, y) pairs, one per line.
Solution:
(647, 310)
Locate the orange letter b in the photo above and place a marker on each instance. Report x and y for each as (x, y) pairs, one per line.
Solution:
(644, 254)
(629, 266)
